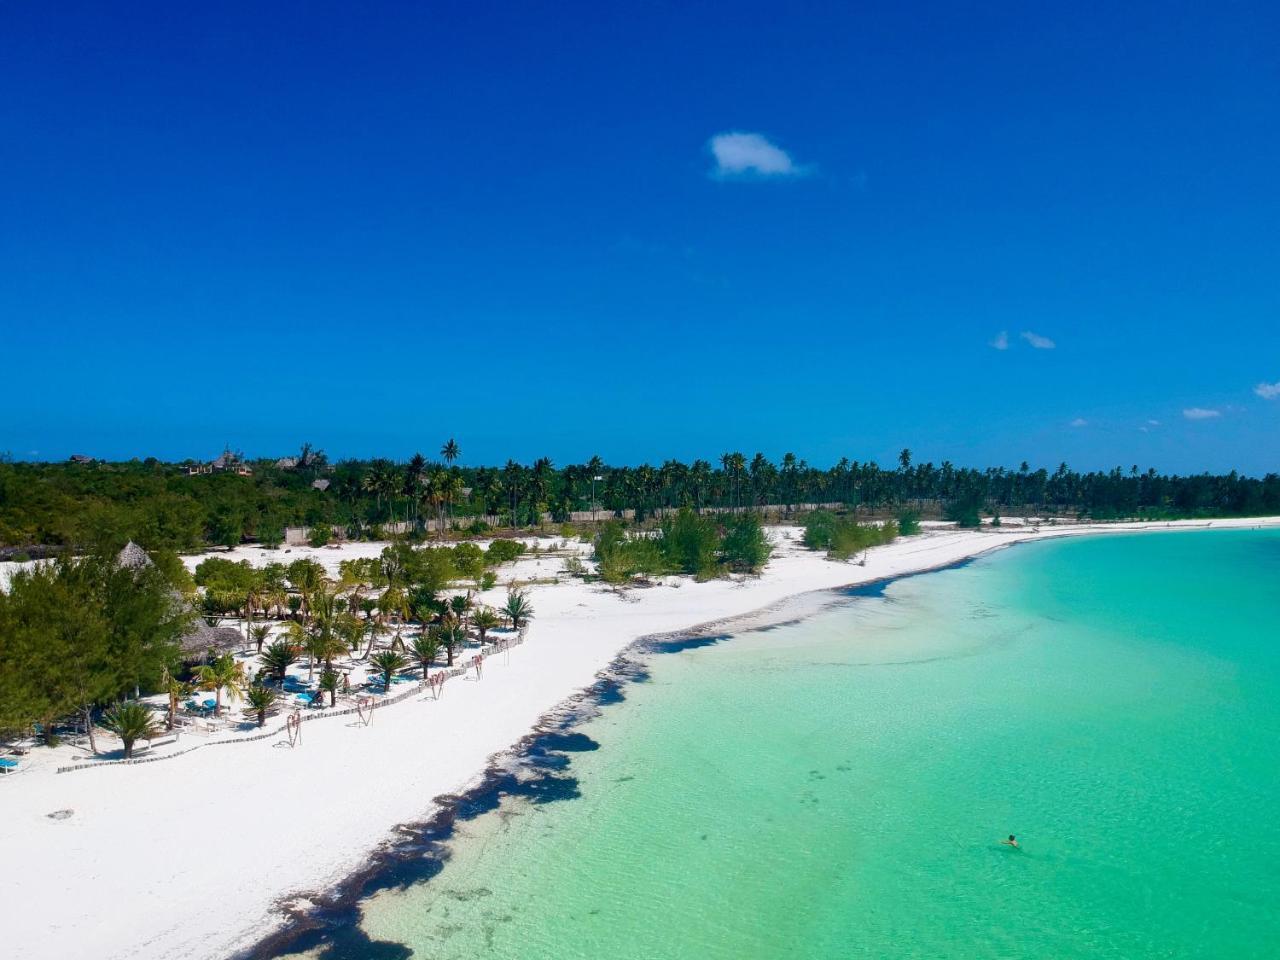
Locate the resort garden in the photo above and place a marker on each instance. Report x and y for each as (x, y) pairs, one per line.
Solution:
(132, 644)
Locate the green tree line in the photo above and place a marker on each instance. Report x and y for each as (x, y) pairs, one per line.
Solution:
(165, 505)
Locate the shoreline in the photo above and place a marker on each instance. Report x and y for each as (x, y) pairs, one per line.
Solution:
(408, 778)
(419, 851)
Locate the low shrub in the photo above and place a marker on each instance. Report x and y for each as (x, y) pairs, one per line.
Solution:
(503, 551)
(908, 523)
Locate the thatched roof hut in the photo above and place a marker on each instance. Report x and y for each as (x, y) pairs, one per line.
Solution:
(133, 557)
(197, 641)
(202, 638)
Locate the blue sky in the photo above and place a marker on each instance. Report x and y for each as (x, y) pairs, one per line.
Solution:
(645, 231)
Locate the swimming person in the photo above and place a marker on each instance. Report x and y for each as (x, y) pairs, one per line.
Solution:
(1011, 842)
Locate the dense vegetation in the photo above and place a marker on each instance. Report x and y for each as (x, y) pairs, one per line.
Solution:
(685, 543)
(79, 634)
(843, 536)
(161, 505)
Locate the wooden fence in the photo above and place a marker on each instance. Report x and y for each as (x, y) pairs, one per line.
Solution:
(298, 536)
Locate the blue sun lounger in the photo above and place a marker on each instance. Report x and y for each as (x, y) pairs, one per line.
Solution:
(7, 765)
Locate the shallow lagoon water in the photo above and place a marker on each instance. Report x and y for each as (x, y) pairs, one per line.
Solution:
(838, 787)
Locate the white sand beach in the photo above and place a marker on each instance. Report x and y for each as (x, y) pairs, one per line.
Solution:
(190, 857)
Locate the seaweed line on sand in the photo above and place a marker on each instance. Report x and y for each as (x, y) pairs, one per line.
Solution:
(532, 769)
(417, 851)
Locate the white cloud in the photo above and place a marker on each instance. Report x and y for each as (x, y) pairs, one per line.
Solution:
(1268, 391)
(1079, 422)
(1200, 413)
(750, 155)
(1037, 341)
(1153, 423)
(1001, 341)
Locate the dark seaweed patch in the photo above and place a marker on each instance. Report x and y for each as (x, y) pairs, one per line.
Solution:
(533, 771)
(681, 642)
(876, 588)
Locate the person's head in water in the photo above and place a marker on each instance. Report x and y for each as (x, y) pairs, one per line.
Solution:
(1012, 838)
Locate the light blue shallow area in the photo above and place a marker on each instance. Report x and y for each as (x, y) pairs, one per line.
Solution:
(837, 788)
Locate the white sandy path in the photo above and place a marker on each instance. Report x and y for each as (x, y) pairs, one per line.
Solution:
(186, 857)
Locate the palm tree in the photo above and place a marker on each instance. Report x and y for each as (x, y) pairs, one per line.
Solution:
(328, 646)
(699, 477)
(351, 629)
(383, 481)
(300, 640)
(254, 596)
(316, 645)
(375, 626)
(449, 635)
(393, 605)
(131, 721)
(484, 620)
(739, 463)
(260, 633)
(353, 580)
(517, 609)
(426, 647)
(329, 683)
(388, 662)
(789, 468)
(450, 451)
(307, 578)
(176, 690)
(512, 476)
(490, 492)
(435, 493)
(413, 472)
(540, 482)
(278, 658)
(261, 699)
(460, 606)
(451, 488)
(390, 485)
(275, 588)
(223, 673)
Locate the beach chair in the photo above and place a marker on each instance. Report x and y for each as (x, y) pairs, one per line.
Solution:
(8, 765)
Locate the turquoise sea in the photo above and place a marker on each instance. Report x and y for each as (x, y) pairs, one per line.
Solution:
(838, 787)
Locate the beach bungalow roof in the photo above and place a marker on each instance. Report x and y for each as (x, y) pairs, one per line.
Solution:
(321, 484)
(287, 463)
(201, 638)
(81, 458)
(133, 557)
